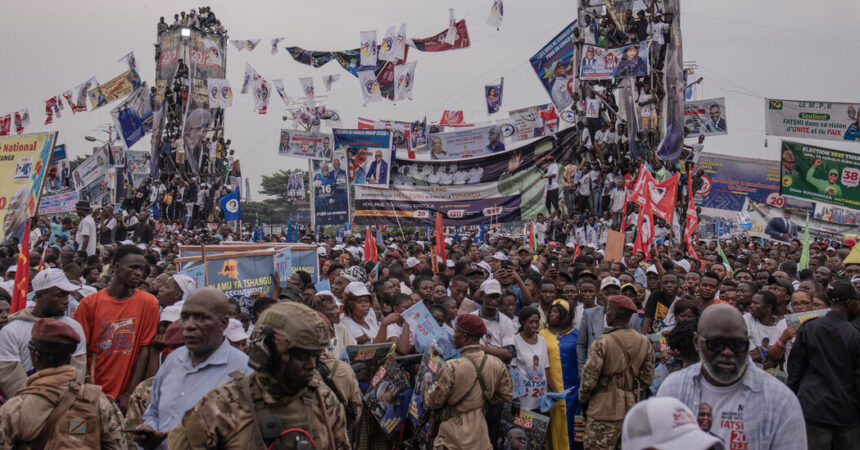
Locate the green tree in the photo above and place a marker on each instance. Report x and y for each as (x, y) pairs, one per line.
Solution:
(275, 185)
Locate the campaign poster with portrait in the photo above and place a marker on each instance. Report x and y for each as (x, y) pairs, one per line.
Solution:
(531, 122)
(829, 121)
(63, 202)
(296, 186)
(389, 396)
(553, 65)
(820, 174)
(26, 158)
(370, 153)
(610, 63)
(330, 190)
(426, 377)
(705, 117)
(525, 430)
(92, 168)
(466, 143)
(306, 144)
(365, 360)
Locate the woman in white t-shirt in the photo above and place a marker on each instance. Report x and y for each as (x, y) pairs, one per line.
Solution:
(360, 318)
(532, 359)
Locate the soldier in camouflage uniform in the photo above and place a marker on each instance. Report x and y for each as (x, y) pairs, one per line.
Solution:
(620, 364)
(284, 392)
(54, 410)
(137, 404)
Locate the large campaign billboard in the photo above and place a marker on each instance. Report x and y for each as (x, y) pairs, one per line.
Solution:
(24, 163)
(330, 190)
(820, 174)
(829, 121)
(553, 65)
(705, 117)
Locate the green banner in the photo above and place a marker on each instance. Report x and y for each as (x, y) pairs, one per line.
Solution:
(820, 174)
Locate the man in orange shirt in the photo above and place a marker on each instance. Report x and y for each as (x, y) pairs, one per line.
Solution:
(120, 323)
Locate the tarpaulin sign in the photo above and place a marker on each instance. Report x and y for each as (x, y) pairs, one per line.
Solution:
(820, 174)
(238, 274)
(24, 164)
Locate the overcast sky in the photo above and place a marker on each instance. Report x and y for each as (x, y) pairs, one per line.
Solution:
(745, 51)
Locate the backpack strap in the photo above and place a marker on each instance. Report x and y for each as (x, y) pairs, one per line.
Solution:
(479, 372)
(47, 431)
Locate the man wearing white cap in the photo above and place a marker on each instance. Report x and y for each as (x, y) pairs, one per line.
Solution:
(499, 340)
(52, 290)
(173, 293)
(236, 334)
(667, 424)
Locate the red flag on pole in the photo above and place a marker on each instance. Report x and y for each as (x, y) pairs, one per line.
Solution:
(22, 273)
(440, 238)
(370, 252)
(644, 229)
(576, 252)
(692, 222)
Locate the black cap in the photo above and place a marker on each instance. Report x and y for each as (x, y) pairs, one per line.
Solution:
(841, 291)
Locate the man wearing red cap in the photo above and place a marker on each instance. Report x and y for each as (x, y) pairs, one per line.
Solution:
(463, 388)
(54, 411)
(620, 364)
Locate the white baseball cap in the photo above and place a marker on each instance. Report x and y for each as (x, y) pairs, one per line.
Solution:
(356, 288)
(412, 262)
(49, 278)
(491, 286)
(667, 424)
(321, 251)
(235, 332)
(610, 281)
(500, 256)
(486, 266)
(684, 264)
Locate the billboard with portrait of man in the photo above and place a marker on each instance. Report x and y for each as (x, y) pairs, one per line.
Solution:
(553, 65)
(705, 117)
(820, 174)
(306, 144)
(330, 190)
(466, 143)
(25, 162)
(610, 63)
(370, 154)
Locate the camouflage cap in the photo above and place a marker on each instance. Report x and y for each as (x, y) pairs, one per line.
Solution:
(295, 326)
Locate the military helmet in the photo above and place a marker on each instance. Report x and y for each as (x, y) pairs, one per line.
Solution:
(293, 325)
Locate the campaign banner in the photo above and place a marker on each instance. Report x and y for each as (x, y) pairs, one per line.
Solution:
(25, 163)
(305, 144)
(203, 54)
(305, 259)
(370, 153)
(196, 273)
(427, 332)
(93, 168)
(238, 275)
(330, 190)
(63, 202)
(829, 121)
(59, 154)
(58, 170)
(466, 143)
(730, 181)
(366, 360)
(610, 63)
(525, 430)
(705, 117)
(794, 320)
(389, 396)
(820, 174)
(426, 377)
(137, 164)
(407, 136)
(553, 65)
(528, 123)
(120, 86)
(98, 193)
(133, 116)
(296, 186)
(503, 187)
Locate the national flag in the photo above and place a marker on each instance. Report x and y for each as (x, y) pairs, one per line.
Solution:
(258, 231)
(231, 206)
(250, 75)
(493, 96)
(438, 42)
(440, 237)
(452, 118)
(368, 49)
(275, 42)
(400, 43)
(22, 273)
(5, 125)
(329, 80)
(370, 249)
(129, 59)
(308, 89)
(456, 234)
(370, 90)
(386, 47)
(22, 120)
(644, 229)
(282, 92)
(804, 255)
(427, 231)
(532, 240)
(497, 11)
(404, 79)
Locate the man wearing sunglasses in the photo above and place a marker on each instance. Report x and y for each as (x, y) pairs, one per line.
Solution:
(750, 408)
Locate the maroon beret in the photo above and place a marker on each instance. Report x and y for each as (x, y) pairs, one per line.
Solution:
(471, 324)
(173, 335)
(623, 302)
(55, 331)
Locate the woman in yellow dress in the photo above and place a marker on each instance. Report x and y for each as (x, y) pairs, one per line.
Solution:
(561, 339)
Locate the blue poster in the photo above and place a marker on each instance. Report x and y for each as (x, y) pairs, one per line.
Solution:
(553, 65)
(330, 190)
(196, 273)
(370, 154)
(133, 116)
(59, 153)
(427, 331)
(307, 260)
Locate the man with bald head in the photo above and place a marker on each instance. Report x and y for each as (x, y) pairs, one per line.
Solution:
(189, 372)
(750, 408)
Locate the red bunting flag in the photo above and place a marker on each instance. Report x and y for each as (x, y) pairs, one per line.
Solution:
(440, 238)
(370, 252)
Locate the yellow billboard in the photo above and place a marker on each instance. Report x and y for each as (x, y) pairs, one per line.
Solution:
(119, 87)
(23, 164)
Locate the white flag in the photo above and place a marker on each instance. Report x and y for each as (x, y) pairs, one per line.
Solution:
(368, 49)
(329, 80)
(213, 52)
(369, 86)
(275, 42)
(250, 75)
(129, 59)
(79, 101)
(308, 90)
(240, 45)
(400, 43)
(334, 121)
(251, 44)
(404, 79)
(261, 95)
(220, 93)
(496, 13)
(22, 120)
(279, 86)
(451, 35)
(386, 47)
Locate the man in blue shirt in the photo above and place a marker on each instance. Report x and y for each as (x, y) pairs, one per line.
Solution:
(58, 230)
(206, 361)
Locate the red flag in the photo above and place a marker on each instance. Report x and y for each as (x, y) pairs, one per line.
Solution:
(644, 229)
(692, 221)
(22, 274)
(440, 238)
(576, 252)
(370, 253)
(663, 195)
(437, 43)
(451, 118)
(5, 125)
